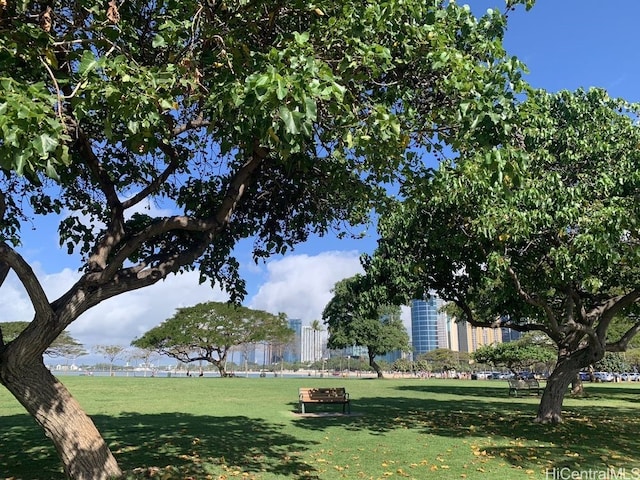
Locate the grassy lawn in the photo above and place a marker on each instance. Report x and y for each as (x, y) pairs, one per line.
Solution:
(174, 428)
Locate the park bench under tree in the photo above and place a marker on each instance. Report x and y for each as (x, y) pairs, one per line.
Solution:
(529, 386)
(336, 395)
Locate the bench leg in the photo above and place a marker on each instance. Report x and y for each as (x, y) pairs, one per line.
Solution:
(302, 407)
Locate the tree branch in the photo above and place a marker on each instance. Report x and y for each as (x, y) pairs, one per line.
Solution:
(553, 321)
(153, 186)
(622, 344)
(113, 279)
(190, 125)
(608, 310)
(13, 260)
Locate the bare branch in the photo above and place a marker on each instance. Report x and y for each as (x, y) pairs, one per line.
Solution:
(155, 184)
(190, 125)
(58, 92)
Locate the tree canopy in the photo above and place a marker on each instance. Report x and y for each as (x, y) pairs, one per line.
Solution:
(443, 359)
(549, 243)
(353, 318)
(208, 331)
(517, 355)
(257, 120)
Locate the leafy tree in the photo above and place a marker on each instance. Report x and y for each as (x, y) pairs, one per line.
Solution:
(208, 331)
(111, 353)
(403, 365)
(612, 362)
(63, 346)
(352, 320)
(443, 359)
(632, 357)
(547, 243)
(262, 120)
(516, 356)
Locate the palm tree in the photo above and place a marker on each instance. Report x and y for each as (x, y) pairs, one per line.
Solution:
(316, 326)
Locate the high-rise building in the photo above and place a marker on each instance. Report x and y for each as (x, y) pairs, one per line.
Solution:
(430, 327)
(313, 344)
(470, 338)
(509, 335)
(292, 350)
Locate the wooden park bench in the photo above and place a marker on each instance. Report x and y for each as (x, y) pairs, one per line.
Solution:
(530, 386)
(324, 395)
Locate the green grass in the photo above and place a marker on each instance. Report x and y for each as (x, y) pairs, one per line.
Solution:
(246, 428)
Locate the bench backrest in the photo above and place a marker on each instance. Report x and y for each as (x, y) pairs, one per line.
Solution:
(526, 383)
(322, 394)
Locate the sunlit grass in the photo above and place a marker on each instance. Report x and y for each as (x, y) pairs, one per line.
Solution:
(247, 428)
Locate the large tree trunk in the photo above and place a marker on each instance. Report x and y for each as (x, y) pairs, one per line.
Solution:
(577, 387)
(550, 408)
(84, 453)
(375, 366)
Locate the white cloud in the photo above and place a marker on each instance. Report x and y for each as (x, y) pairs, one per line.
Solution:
(300, 285)
(119, 320)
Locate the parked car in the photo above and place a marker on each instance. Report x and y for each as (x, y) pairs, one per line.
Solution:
(585, 376)
(604, 377)
(630, 376)
(526, 375)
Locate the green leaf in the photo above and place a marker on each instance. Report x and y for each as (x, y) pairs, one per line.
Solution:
(311, 109)
(282, 89)
(289, 121)
(87, 62)
(44, 144)
(301, 38)
(51, 172)
(158, 41)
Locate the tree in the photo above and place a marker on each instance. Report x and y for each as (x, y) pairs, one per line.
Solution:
(247, 120)
(110, 353)
(548, 242)
(612, 362)
(354, 318)
(146, 355)
(208, 331)
(63, 346)
(443, 359)
(316, 328)
(516, 356)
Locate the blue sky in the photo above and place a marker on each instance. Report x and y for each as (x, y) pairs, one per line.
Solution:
(566, 44)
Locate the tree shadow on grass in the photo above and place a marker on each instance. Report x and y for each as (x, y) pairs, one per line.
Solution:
(167, 445)
(591, 438)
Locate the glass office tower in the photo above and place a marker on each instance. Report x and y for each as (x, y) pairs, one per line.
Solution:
(428, 325)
